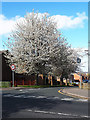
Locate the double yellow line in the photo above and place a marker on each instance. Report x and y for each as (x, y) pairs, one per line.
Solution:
(60, 91)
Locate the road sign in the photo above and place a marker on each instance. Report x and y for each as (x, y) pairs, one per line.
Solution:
(12, 67)
(78, 60)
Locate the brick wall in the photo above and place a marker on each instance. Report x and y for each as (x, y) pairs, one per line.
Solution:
(5, 71)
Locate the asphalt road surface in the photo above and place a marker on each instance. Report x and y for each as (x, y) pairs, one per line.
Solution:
(42, 103)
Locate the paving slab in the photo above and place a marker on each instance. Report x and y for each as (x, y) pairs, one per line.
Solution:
(84, 93)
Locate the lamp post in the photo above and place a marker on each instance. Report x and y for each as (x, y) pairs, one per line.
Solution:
(79, 61)
(88, 53)
(80, 82)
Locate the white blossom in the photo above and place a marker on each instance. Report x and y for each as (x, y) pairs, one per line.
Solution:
(36, 46)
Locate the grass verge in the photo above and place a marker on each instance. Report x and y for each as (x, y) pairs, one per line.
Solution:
(40, 86)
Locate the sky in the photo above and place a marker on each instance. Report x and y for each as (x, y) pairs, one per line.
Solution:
(71, 18)
(45, 0)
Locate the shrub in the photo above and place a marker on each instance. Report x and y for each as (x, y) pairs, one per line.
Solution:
(5, 84)
(40, 86)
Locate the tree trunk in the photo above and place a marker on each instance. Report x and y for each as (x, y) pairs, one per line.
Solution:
(61, 79)
(44, 76)
(51, 81)
(60, 82)
(23, 81)
(37, 79)
(45, 80)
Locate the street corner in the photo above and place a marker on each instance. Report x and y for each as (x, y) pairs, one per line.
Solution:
(61, 91)
(65, 92)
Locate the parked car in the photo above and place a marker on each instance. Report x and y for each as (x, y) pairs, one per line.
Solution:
(85, 81)
(88, 81)
(76, 83)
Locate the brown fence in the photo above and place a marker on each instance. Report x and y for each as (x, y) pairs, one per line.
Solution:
(21, 79)
(86, 85)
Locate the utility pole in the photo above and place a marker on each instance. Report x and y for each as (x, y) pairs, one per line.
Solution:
(79, 61)
(89, 60)
(88, 53)
(80, 82)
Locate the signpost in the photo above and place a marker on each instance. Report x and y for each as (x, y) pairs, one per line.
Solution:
(80, 81)
(13, 68)
(78, 60)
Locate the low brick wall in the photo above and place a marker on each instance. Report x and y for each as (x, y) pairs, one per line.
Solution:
(89, 85)
(86, 86)
(81, 85)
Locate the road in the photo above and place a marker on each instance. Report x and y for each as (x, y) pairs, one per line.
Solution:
(42, 103)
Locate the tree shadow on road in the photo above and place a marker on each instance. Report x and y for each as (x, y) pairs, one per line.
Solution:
(12, 105)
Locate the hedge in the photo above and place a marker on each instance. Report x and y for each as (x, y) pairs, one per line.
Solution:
(40, 86)
(5, 84)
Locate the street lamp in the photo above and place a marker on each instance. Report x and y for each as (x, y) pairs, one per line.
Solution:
(78, 60)
(88, 53)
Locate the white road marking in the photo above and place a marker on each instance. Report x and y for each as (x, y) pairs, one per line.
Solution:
(85, 116)
(20, 90)
(41, 111)
(65, 114)
(83, 100)
(18, 96)
(22, 95)
(42, 97)
(56, 98)
(52, 112)
(67, 99)
(30, 110)
(31, 96)
(9, 95)
(73, 99)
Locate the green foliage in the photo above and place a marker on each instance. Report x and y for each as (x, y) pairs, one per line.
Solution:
(67, 84)
(5, 84)
(40, 86)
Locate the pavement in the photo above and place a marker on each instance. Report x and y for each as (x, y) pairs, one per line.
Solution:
(73, 92)
(77, 92)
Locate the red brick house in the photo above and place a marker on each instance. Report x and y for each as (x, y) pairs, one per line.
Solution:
(5, 72)
(20, 79)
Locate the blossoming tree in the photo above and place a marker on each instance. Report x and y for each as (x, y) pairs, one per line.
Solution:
(36, 46)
